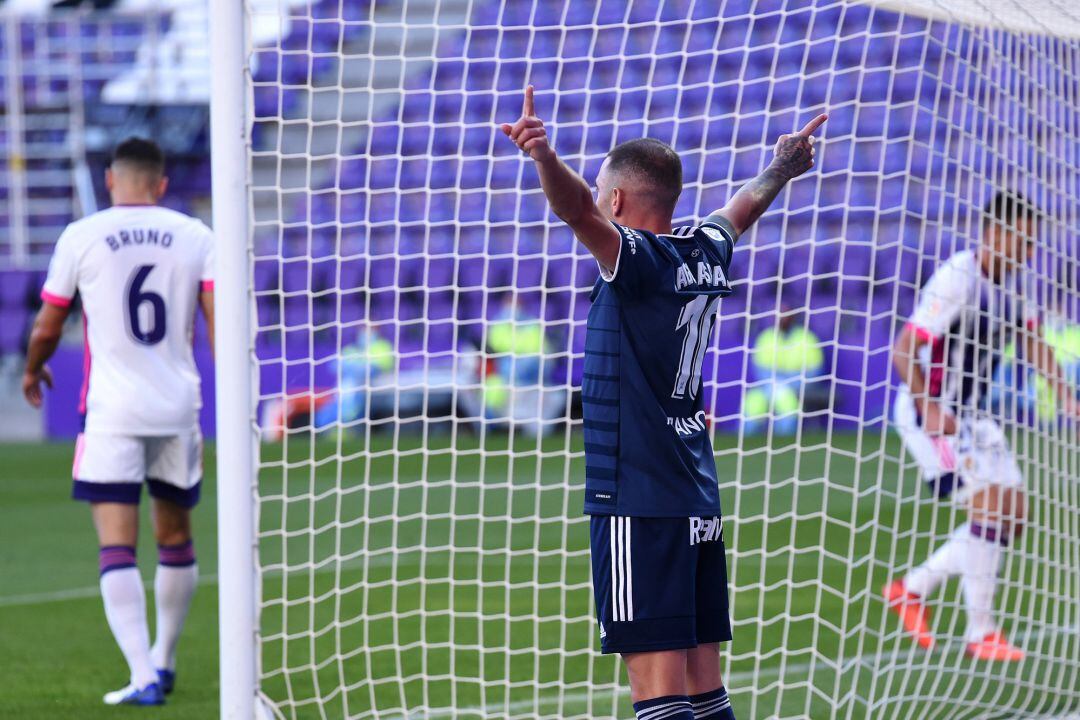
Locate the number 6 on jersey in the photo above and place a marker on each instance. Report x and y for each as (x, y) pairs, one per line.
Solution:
(137, 298)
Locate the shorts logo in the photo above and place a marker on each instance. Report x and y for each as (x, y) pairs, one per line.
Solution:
(706, 530)
(603, 633)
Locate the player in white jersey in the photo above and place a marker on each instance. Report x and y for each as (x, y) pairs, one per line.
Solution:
(946, 357)
(141, 271)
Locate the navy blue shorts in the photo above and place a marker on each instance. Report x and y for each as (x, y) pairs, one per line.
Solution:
(659, 583)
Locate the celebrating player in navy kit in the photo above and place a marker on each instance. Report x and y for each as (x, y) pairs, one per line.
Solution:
(659, 570)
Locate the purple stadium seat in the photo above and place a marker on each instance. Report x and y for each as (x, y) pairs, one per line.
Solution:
(17, 288)
(14, 323)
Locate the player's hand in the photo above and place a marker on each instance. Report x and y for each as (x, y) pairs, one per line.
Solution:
(795, 153)
(31, 385)
(937, 420)
(528, 132)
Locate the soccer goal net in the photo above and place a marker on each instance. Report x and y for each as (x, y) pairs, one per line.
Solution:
(402, 328)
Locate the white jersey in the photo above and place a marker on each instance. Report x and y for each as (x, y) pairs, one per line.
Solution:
(968, 320)
(139, 270)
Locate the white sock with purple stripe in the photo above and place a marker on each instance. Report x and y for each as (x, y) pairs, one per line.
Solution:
(174, 585)
(714, 705)
(125, 609)
(669, 707)
(948, 560)
(985, 552)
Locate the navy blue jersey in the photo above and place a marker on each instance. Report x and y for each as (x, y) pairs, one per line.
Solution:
(647, 446)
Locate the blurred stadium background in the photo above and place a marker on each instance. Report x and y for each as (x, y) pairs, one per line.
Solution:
(420, 326)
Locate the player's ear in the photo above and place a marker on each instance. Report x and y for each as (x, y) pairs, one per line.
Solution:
(162, 186)
(618, 197)
(109, 180)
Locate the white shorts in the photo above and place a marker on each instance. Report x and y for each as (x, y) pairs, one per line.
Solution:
(957, 465)
(112, 468)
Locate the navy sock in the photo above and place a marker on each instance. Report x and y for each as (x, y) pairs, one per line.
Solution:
(669, 707)
(714, 705)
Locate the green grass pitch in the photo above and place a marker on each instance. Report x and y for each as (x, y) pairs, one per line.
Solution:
(410, 558)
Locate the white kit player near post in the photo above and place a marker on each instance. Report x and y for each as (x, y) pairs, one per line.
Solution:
(141, 271)
(946, 356)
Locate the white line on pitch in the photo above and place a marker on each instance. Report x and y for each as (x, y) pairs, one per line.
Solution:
(77, 593)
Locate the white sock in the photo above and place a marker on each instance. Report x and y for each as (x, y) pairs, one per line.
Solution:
(125, 608)
(949, 559)
(979, 582)
(173, 588)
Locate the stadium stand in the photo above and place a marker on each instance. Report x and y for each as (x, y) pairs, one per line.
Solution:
(335, 222)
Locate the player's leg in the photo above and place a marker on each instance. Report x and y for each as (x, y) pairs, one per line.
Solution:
(935, 458)
(997, 515)
(108, 474)
(655, 674)
(704, 684)
(174, 475)
(174, 584)
(122, 590)
(642, 614)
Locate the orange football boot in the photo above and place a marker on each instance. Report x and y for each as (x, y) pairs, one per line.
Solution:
(913, 614)
(996, 648)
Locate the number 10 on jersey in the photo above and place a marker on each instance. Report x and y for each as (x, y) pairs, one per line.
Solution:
(697, 316)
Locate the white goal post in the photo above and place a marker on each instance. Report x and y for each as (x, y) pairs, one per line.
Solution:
(230, 126)
(401, 327)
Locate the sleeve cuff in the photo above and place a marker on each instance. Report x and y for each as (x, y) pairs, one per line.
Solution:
(207, 286)
(57, 300)
(609, 275)
(724, 225)
(921, 332)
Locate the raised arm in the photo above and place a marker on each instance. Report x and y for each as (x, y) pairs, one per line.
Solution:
(567, 193)
(794, 155)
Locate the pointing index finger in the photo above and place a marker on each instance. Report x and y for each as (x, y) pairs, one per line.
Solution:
(528, 108)
(813, 125)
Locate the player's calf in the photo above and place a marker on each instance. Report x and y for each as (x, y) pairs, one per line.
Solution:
(174, 586)
(125, 609)
(712, 705)
(704, 685)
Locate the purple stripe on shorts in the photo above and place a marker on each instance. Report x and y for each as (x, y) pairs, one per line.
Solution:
(184, 497)
(990, 533)
(115, 557)
(118, 492)
(182, 555)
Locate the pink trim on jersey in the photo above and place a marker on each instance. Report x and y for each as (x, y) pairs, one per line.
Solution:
(87, 362)
(207, 286)
(945, 453)
(921, 332)
(80, 446)
(56, 300)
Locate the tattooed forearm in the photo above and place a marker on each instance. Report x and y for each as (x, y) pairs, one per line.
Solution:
(794, 155)
(754, 198)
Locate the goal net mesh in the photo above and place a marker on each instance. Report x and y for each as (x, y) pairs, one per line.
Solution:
(419, 327)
